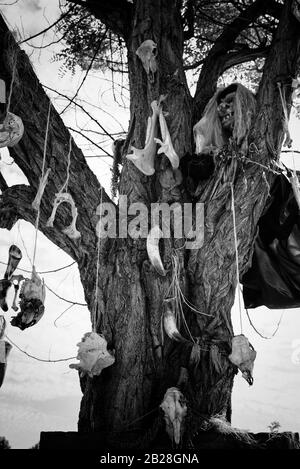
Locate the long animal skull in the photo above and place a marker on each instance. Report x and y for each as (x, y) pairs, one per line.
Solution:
(147, 54)
(11, 130)
(143, 158)
(71, 230)
(152, 245)
(175, 410)
(243, 356)
(93, 355)
(166, 145)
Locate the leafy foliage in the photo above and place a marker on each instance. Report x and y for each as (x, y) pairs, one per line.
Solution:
(4, 444)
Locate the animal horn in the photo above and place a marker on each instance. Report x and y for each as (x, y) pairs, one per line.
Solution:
(153, 249)
(169, 320)
(14, 257)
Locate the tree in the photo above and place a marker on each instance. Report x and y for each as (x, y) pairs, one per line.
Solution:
(123, 401)
(4, 444)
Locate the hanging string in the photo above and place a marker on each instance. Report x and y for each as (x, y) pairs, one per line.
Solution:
(236, 255)
(65, 185)
(11, 86)
(94, 318)
(36, 358)
(43, 169)
(58, 317)
(259, 333)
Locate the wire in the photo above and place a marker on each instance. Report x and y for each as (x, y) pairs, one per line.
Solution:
(44, 272)
(259, 333)
(36, 358)
(64, 299)
(67, 309)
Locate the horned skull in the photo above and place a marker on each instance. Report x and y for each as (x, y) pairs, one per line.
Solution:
(147, 53)
(175, 410)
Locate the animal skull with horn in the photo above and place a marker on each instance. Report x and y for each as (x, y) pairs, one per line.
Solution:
(243, 356)
(175, 410)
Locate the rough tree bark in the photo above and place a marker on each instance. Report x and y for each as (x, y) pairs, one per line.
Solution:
(124, 400)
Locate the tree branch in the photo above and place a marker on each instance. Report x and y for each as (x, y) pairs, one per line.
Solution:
(214, 64)
(115, 14)
(31, 103)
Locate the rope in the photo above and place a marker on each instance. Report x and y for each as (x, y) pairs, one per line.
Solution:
(11, 86)
(67, 309)
(36, 358)
(259, 333)
(236, 254)
(64, 299)
(94, 318)
(41, 179)
(65, 186)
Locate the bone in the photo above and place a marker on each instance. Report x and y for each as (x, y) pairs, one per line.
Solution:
(14, 257)
(175, 410)
(166, 145)
(147, 54)
(143, 158)
(153, 249)
(71, 230)
(169, 320)
(40, 192)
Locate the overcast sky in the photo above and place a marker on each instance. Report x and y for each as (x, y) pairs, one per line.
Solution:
(39, 396)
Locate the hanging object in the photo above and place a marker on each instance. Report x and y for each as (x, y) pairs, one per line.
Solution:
(169, 320)
(166, 145)
(5, 348)
(288, 139)
(143, 158)
(273, 280)
(228, 114)
(2, 326)
(175, 410)
(295, 186)
(153, 249)
(32, 298)
(11, 130)
(147, 53)
(243, 356)
(71, 231)
(17, 279)
(296, 9)
(14, 257)
(2, 92)
(40, 192)
(93, 355)
(296, 91)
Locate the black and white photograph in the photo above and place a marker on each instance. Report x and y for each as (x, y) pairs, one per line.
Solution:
(149, 228)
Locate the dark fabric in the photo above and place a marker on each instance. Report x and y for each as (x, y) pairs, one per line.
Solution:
(196, 168)
(273, 280)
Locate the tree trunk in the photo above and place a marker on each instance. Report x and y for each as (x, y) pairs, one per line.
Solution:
(123, 402)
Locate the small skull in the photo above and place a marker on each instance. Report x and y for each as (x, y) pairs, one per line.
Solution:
(147, 53)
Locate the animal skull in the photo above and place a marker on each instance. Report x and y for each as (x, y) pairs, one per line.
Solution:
(11, 130)
(243, 356)
(175, 410)
(147, 54)
(93, 354)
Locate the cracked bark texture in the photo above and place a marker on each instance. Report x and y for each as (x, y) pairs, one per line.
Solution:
(123, 402)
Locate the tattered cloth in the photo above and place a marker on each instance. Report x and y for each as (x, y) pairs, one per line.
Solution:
(273, 280)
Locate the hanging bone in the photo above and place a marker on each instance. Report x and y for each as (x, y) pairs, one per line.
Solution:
(17, 279)
(32, 298)
(175, 410)
(147, 53)
(5, 348)
(40, 192)
(166, 145)
(71, 231)
(93, 355)
(14, 257)
(11, 130)
(153, 249)
(243, 356)
(169, 320)
(2, 326)
(143, 158)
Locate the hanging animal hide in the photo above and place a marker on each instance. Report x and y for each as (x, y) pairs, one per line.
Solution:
(32, 298)
(175, 410)
(71, 231)
(11, 130)
(147, 53)
(93, 355)
(273, 279)
(243, 356)
(5, 348)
